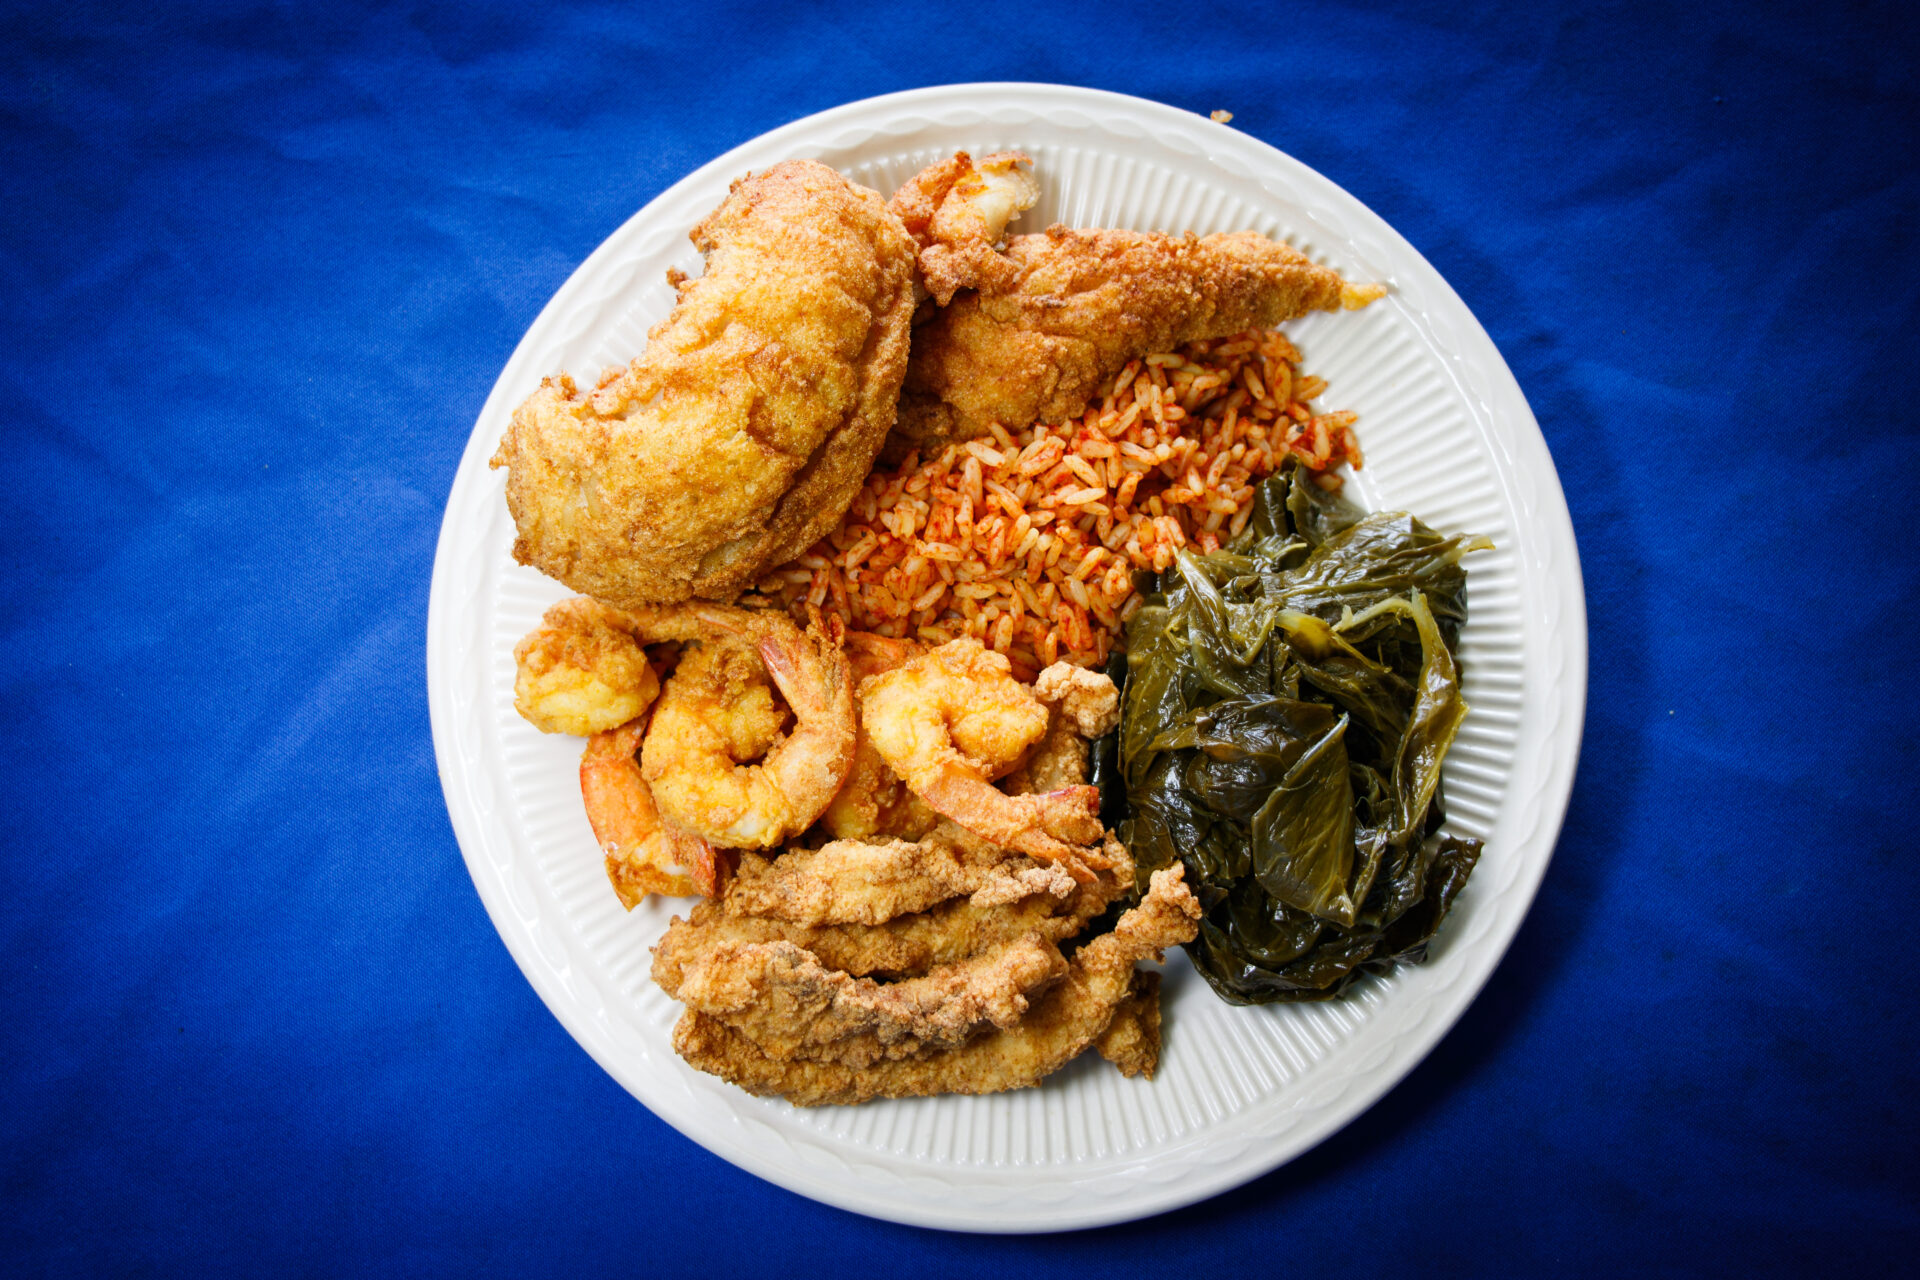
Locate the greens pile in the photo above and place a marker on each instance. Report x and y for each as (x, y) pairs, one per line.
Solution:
(1287, 705)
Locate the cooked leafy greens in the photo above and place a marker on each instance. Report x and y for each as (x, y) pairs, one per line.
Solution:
(1288, 702)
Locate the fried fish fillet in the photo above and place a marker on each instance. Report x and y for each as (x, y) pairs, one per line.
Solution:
(1073, 1013)
(904, 946)
(741, 434)
(1082, 304)
(957, 211)
(1131, 1041)
(849, 882)
(791, 1006)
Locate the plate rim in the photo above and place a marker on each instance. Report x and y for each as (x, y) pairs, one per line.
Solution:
(1551, 520)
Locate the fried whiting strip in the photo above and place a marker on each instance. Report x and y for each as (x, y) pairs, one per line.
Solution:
(905, 945)
(847, 882)
(1131, 1041)
(790, 1006)
(1057, 1027)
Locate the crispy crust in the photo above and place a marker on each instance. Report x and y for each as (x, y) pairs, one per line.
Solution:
(1058, 1026)
(1085, 303)
(741, 434)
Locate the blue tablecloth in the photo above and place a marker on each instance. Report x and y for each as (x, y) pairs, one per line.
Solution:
(260, 266)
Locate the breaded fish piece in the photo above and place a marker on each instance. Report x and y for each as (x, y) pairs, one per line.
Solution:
(904, 946)
(1082, 304)
(791, 1006)
(849, 882)
(957, 211)
(1058, 1026)
(1131, 1041)
(741, 434)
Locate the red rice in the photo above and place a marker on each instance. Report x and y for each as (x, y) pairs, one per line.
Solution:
(1029, 541)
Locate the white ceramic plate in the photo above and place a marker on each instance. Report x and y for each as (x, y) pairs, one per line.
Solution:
(1447, 435)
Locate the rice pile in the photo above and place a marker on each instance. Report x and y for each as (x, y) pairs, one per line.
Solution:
(1029, 541)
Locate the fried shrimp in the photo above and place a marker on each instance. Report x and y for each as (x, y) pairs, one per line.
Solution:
(584, 669)
(873, 803)
(951, 721)
(645, 854)
(581, 671)
(717, 714)
(1082, 705)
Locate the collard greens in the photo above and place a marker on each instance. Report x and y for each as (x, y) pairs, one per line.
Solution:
(1288, 702)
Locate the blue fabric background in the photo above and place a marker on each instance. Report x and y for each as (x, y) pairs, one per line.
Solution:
(259, 267)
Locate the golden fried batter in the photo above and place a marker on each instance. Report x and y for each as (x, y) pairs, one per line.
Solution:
(741, 434)
(1085, 303)
(1058, 1026)
(791, 1006)
(847, 882)
(957, 212)
(908, 944)
(1131, 1041)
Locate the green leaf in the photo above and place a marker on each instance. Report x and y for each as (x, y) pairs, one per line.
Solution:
(1288, 706)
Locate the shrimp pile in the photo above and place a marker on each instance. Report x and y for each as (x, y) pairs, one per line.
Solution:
(679, 769)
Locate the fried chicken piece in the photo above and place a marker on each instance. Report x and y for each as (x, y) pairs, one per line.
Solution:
(741, 434)
(1131, 1041)
(1082, 304)
(957, 211)
(789, 1005)
(907, 944)
(1057, 1027)
(848, 882)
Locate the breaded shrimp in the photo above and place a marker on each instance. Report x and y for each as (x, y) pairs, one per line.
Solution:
(717, 713)
(952, 720)
(581, 671)
(1082, 705)
(645, 853)
(873, 803)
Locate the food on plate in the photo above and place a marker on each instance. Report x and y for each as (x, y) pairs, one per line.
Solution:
(739, 436)
(957, 211)
(1081, 705)
(718, 772)
(581, 671)
(1289, 702)
(1082, 304)
(715, 756)
(1131, 1041)
(874, 803)
(790, 1005)
(1029, 541)
(644, 853)
(853, 882)
(883, 770)
(952, 720)
(1059, 1024)
(913, 942)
